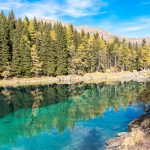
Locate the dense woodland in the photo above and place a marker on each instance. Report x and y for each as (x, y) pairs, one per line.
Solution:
(36, 48)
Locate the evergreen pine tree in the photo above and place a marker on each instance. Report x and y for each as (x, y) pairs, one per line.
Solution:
(62, 51)
(95, 53)
(5, 56)
(25, 52)
(71, 48)
(102, 55)
(26, 60)
(125, 56)
(37, 65)
(16, 52)
(32, 32)
(12, 26)
(47, 53)
(82, 58)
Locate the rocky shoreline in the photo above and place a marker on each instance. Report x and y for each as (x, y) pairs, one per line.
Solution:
(96, 77)
(138, 137)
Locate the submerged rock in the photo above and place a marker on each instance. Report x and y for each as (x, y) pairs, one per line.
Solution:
(138, 137)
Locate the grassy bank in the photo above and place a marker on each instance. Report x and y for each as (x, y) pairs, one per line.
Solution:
(96, 77)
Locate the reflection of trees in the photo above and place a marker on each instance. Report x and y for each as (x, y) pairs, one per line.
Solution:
(37, 100)
(7, 94)
(144, 95)
(19, 97)
(66, 104)
(28, 97)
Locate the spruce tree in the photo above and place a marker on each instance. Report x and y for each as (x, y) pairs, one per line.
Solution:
(133, 56)
(71, 48)
(77, 38)
(25, 52)
(82, 58)
(34, 44)
(12, 26)
(102, 64)
(95, 53)
(26, 61)
(16, 52)
(115, 52)
(37, 65)
(5, 56)
(62, 51)
(32, 31)
(125, 56)
(143, 57)
(47, 54)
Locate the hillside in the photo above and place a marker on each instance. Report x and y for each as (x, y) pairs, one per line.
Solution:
(110, 36)
(107, 35)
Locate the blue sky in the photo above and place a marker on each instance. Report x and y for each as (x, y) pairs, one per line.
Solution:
(121, 17)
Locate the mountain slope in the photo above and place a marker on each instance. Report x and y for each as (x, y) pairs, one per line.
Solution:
(102, 32)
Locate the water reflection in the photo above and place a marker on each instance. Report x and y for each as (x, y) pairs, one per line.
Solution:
(29, 111)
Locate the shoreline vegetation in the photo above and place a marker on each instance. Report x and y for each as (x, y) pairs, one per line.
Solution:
(96, 77)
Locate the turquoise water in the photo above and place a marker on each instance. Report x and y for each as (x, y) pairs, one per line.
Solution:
(67, 117)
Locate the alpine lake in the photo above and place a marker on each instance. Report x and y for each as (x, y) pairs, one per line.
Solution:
(68, 117)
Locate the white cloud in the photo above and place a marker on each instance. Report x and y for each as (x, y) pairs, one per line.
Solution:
(137, 24)
(146, 3)
(55, 8)
(77, 8)
(133, 28)
(8, 4)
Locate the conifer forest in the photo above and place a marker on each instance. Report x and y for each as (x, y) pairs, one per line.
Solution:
(32, 48)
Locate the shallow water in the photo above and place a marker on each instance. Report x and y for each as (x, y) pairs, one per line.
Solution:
(67, 117)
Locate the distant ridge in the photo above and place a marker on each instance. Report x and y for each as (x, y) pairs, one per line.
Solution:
(106, 35)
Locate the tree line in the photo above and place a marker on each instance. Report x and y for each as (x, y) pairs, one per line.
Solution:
(36, 48)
